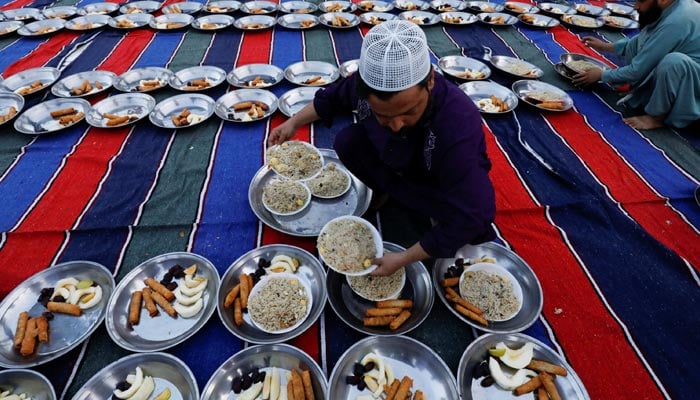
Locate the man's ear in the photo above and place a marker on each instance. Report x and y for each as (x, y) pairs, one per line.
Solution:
(431, 80)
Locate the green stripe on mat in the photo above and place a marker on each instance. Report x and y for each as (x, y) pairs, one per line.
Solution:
(7, 41)
(319, 46)
(439, 43)
(11, 144)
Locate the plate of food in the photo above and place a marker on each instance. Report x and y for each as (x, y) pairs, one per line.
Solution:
(197, 78)
(183, 7)
(140, 7)
(145, 79)
(120, 110)
(563, 71)
(420, 17)
(162, 302)
(52, 312)
(213, 22)
(222, 6)
(311, 73)
(339, 20)
(365, 303)
(416, 5)
(542, 95)
(255, 22)
(171, 22)
(292, 101)
(298, 7)
(516, 67)
(246, 105)
(591, 10)
(615, 22)
(298, 21)
(372, 18)
(507, 366)
(447, 5)
(23, 14)
(375, 6)
(457, 18)
(337, 6)
(538, 21)
(556, 9)
(577, 63)
(52, 116)
(281, 368)
(497, 19)
(8, 27)
(259, 7)
(25, 384)
(348, 244)
(87, 22)
(182, 111)
(294, 159)
(351, 66)
(618, 8)
(142, 376)
(485, 313)
(466, 68)
(255, 76)
(490, 97)
(309, 222)
(11, 104)
(130, 21)
(581, 21)
(401, 363)
(98, 8)
(84, 84)
(63, 12)
(484, 6)
(42, 27)
(517, 7)
(265, 317)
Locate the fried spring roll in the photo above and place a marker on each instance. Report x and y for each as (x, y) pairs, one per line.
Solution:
(455, 298)
(548, 384)
(377, 321)
(42, 326)
(552, 105)
(64, 308)
(21, 328)
(449, 282)
(544, 366)
(245, 290)
(398, 321)
(160, 289)
(298, 385)
(542, 394)
(308, 388)
(400, 303)
(312, 80)
(242, 106)
(383, 312)
(471, 315)
(62, 112)
(529, 386)
(404, 387)
(149, 303)
(117, 121)
(164, 304)
(237, 312)
(200, 82)
(98, 85)
(231, 296)
(29, 341)
(391, 392)
(419, 395)
(290, 390)
(135, 307)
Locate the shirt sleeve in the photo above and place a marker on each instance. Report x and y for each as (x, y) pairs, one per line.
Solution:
(336, 98)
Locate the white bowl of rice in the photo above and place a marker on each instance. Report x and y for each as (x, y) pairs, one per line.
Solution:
(348, 244)
(294, 160)
(285, 197)
(330, 183)
(378, 288)
(280, 302)
(493, 289)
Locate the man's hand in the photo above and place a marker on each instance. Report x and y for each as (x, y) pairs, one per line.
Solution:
(586, 78)
(598, 44)
(282, 133)
(389, 264)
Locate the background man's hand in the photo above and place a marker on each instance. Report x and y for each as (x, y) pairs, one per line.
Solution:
(597, 44)
(586, 78)
(282, 133)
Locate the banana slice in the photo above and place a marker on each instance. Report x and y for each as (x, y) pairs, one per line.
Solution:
(389, 372)
(191, 291)
(275, 384)
(137, 382)
(191, 281)
(186, 300)
(378, 362)
(188, 311)
(145, 389)
(66, 282)
(87, 301)
(62, 291)
(251, 393)
(164, 395)
(279, 266)
(282, 258)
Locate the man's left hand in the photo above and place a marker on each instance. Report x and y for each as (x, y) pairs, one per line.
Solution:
(593, 75)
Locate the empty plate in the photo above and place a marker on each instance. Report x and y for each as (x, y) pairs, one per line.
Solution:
(298, 7)
(294, 100)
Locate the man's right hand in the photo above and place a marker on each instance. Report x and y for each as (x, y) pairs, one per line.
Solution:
(597, 44)
(282, 133)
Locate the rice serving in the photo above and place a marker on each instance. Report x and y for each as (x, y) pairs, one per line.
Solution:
(492, 293)
(581, 65)
(294, 160)
(280, 304)
(347, 245)
(283, 196)
(330, 182)
(377, 287)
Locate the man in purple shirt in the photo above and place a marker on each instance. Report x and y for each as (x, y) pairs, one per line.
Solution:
(418, 138)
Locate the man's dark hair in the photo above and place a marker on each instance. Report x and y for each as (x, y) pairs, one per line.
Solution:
(363, 90)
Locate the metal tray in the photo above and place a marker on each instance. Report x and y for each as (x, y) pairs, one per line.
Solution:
(424, 18)
(614, 7)
(570, 386)
(525, 88)
(372, 18)
(140, 7)
(130, 80)
(328, 18)
(294, 100)
(87, 22)
(478, 90)
(160, 22)
(222, 6)
(62, 12)
(504, 63)
(63, 88)
(34, 384)
(487, 18)
(160, 332)
(293, 21)
(298, 73)
(138, 20)
(411, 5)
(616, 22)
(464, 18)
(137, 105)
(440, 6)
(263, 357)
(483, 6)
(184, 7)
(532, 291)
(8, 100)
(225, 102)
(581, 21)
(197, 103)
(9, 27)
(408, 357)
(563, 71)
(167, 371)
(23, 14)
(215, 75)
(556, 9)
(591, 10)
(221, 21)
(66, 331)
(517, 7)
(310, 222)
(310, 270)
(35, 28)
(298, 7)
(98, 8)
(567, 58)
(539, 21)
(241, 76)
(259, 7)
(37, 120)
(351, 66)
(255, 22)
(350, 307)
(332, 6)
(457, 65)
(375, 6)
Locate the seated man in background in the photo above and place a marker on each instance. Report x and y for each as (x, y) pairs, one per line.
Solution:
(662, 64)
(418, 139)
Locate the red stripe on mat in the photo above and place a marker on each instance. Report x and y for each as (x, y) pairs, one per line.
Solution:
(42, 54)
(524, 224)
(16, 4)
(573, 44)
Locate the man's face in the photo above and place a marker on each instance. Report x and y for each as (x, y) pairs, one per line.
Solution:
(649, 11)
(404, 109)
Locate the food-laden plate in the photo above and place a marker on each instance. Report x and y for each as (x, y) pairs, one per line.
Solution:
(30, 81)
(255, 76)
(615, 22)
(408, 5)
(577, 63)
(517, 7)
(516, 67)
(52, 116)
(213, 22)
(466, 68)
(11, 104)
(497, 19)
(8, 27)
(447, 5)
(311, 73)
(538, 21)
(246, 105)
(255, 22)
(352, 309)
(483, 6)
(339, 20)
(581, 21)
(130, 21)
(182, 111)
(263, 261)
(87, 22)
(420, 17)
(298, 21)
(275, 360)
(23, 14)
(222, 6)
(591, 10)
(490, 97)
(159, 372)
(120, 110)
(171, 22)
(542, 95)
(375, 6)
(145, 79)
(298, 7)
(473, 368)
(140, 7)
(65, 331)
(405, 358)
(136, 328)
(492, 252)
(63, 12)
(556, 9)
(28, 382)
(259, 7)
(457, 18)
(337, 6)
(309, 222)
(42, 27)
(84, 84)
(184, 7)
(292, 101)
(197, 78)
(618, 8)
(348, 244)
(374, 18)
(351, 66)
(563, 71)
(98, 8)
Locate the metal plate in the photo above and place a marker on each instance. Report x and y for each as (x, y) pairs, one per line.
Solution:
(538, 21)
(329, 18)
(563, 71)
(43, 27)
(351, 66)
(130, 21)
(139, 7)
(184, 7)
(243, 75)
(222, 6)
(457, 18)
(259, 7)
(197, 104)
(581, 21)
(66, 331)
(614, 22)
(570, 386)
(23, 14)
(160, 332)
(62, 12)
(37, 120)
(375, 6)
(567, 58)
(491, 18)
(373, 18)
(310, 270)
(255, 22)
(167, 371)
(87, 22)
(408, 5)
(463, 68)
(516, 67)
(64, 87)
(98, 8)
(615, 8)
(294, 100)
(263, 357)
(517, 7)
(483, 6)
(20, 80)
(7, 101)
(407, 356)
(35, 385)
(180, 79)
(337, 6)
(300, 72)
(350, 307)
(171, 22)
(294, 21)
(447, 5)
(309, 223)
(556, 9)
(478, 90)
(9, 27)
(420, 17)
(129, 81)
(213, 22)
(528, 90)
(532, 291)
(225, 103)
(591, 10)
(298, 7)
(137, 105)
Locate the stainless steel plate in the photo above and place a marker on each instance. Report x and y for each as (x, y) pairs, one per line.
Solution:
(294, 21)
(64, 87)
(447, 5)
(464, 68)
(299, 73)
(259, 7)
(309, 222)
(135, 105)
(34, 384)
(130, 21)
(351, 308)
(563, 71)
(538, 21)
(614, 22)
(567, 59)
(213, 22)
(581, 21)
(264, 357)
(591, 10)
(479, 90)
(294, 100)
(351, 66)
(196, 103)
(171, 22)
(66, 331)
(160, 332)
(407, 356)
(23, 14)
(9, 27)
(46, 75)
(182, 78)
(330, 19)
(88, 22)
(494, 19)
(184, 7)
(374, 18)
(255, 22)
(98, 8)
(337, 6)
(614, 7)
(483, 6)
(166, 370)
(556, 9)
(298, 7)
(409, 5)
(130, 80)
(375, 6)
(242, 76)
(140, 7)
(8, 101)
(532, 291)
(62, 12)
(310, 270)
(225, 103)
(37, 120)
(222, 6)
(420, 17)
(529, 91)
(457, 18)
(42, 27)
(570, 386)
(516, 67)
(517, 7)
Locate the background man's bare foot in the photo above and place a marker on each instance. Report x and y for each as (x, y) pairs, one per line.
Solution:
(645, 122)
